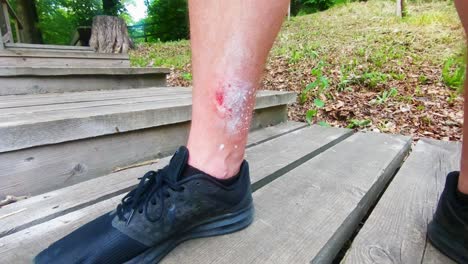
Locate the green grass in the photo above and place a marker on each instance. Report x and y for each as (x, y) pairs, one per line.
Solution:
(453, 72)
(168, 54)
(363, 43)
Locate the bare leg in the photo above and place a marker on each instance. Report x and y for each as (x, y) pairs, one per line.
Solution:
(230, 43)
(462, 8)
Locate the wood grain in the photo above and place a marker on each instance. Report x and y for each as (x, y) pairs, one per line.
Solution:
(24, 130)
(20, 247)
(301, 212)
(46, 206)
(41, 169)
(395, 232)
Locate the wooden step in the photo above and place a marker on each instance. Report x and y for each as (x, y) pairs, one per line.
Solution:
(47, 47)
(311, 191)
(28, 57)
(35, 80)
(50, 141)
(396, 231)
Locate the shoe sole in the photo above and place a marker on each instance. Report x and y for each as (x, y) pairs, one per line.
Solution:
(442, 240)
(220, 225)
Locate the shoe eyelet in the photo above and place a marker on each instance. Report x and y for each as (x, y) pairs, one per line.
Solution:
(153, 202)
(197, 183)
(140, 211)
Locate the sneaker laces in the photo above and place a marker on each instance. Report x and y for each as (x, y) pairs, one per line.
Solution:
(151, 184)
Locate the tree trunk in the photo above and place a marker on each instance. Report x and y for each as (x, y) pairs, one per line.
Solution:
(109, 35)
(27, 14)
(401, 8)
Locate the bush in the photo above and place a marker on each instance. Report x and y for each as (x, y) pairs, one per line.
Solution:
(303, 7)
(169, 19)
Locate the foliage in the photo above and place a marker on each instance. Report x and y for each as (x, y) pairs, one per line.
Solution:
(383, 98)
(163, 54)
(356, 123)
(311, 113)
(58, 19)
(453, 72)
(318, 86)
(304, 7)
(112, 7)
(168, 19)
(365, 50)
(187, 76)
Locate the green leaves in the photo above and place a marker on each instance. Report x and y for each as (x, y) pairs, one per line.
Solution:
(319, 103)
(356, 123)
(323, 124)
(311, 113)
(318, 86)
(453, 73)
(385, 96)
(187, 76)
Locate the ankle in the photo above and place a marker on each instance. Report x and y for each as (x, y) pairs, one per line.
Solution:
(462, 186)
(216, 168)
(221, 164)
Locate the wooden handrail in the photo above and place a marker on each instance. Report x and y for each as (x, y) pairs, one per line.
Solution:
(13, 13)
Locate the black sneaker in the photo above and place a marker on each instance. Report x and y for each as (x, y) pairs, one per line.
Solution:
(448, 231)
(164, 210)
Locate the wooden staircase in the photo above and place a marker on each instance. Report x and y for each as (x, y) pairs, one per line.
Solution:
(74, 120)
(54, 140)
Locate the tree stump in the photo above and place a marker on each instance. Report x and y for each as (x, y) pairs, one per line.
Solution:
(109, 35)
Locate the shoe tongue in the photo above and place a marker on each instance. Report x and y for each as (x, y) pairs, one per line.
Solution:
(177, 164)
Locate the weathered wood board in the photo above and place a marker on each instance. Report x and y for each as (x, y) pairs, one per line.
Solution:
(34, 80)
(36, 57)
(24, 130)
(395, 231)
(308, 213)
(315, 199)
(41, 169)
(57, 202)
(46, 206)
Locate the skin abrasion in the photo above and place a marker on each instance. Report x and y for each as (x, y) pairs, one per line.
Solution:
(233, 102)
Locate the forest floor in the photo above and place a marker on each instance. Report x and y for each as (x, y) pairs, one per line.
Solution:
(359, 66)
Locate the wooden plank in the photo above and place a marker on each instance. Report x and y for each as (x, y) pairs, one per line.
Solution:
(264, 99)
(54, 71)
(259, 136)
(311, 211)
(296, 214)
(49, 47)
(86, 96)
(113, 99)
(34, 80)
(28, 239)
(36, 110)
(34, 129)
(61, 62)
(406, 207)
(12, 101)
(49, 205)
(63, 54)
